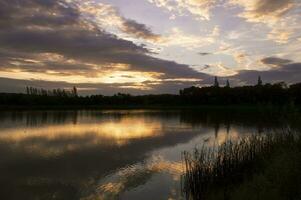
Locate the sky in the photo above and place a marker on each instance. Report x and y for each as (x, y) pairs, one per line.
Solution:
(147, 46)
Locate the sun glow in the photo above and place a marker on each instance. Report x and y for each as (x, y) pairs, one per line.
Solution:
(107, 77)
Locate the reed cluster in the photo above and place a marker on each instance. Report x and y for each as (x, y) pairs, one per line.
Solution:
(211, 169)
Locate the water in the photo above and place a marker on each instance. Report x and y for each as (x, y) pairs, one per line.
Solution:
(124, 154)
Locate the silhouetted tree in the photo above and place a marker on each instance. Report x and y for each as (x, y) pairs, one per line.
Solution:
(227, 84)
(281, 85)
(74, 91)
(274, 94)
(216, 84)
(259, 82)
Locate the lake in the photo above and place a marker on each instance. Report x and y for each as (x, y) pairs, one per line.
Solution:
(109, 154)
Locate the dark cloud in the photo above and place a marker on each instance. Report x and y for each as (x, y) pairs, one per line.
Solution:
(270, 6)
(275, 61)
(206, 67)
(26, 13)
(139, 30)
(205, 53)
(31, 28)
(290, 73)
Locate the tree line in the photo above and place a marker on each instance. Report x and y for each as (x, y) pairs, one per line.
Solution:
(55, 92)
(259, 94)
(277, 93)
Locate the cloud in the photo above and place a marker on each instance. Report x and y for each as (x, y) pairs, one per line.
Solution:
(199, 8)
(275, 61)
(219, 69)
(239, 57)
(205, 53)
(105, 15)
(177, 37)
(278, 15)
(281, 35)
(266, 11)
(206, 67)
(285, 70)
(54, 40)
(139, 30)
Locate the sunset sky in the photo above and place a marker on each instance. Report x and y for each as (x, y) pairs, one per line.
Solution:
(147, 46)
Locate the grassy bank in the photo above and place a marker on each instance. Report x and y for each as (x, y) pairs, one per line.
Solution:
(255, 167)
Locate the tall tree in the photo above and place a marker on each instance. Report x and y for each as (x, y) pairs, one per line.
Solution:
(227, 84)
(216, 84)
(259, 82)
(74, 91)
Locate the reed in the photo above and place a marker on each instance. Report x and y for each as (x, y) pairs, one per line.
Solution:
(211, 169)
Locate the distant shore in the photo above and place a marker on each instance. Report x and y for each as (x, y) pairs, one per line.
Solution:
(277, 96)
(245, 108)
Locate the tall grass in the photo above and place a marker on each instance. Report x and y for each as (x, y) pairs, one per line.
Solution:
(212, 170)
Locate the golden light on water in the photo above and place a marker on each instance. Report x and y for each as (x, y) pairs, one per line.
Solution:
(118, 182)
(223, 136)
(107, 133)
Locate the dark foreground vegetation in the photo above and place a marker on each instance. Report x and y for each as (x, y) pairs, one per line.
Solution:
(260, 94)
(255, 167)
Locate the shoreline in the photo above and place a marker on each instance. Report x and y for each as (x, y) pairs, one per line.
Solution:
(253, 108)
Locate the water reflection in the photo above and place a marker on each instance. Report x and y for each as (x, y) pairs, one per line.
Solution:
(108, 154)
(136, 175)
(57, 139)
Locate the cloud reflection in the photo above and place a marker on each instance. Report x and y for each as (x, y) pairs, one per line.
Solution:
(57, 139)
(135, 175)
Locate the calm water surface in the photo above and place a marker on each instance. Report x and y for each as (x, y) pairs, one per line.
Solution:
(107, 154)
